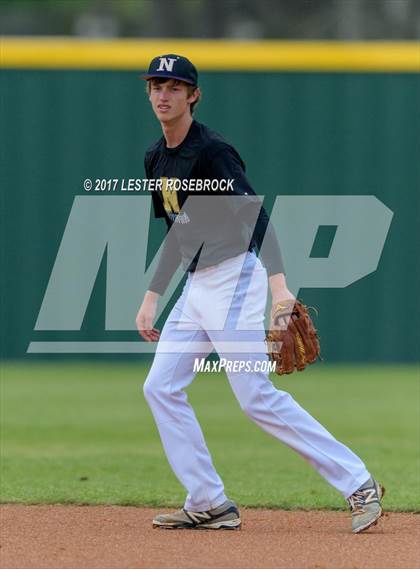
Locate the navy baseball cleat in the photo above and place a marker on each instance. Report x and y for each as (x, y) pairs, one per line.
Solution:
(225, 516)
(365, 505)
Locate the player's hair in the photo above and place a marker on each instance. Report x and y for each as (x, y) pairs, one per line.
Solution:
(190, 88)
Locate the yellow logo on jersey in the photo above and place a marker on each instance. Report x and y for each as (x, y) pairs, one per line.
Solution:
(170, 196)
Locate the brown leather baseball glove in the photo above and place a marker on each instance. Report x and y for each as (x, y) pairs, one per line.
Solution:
(292, 340)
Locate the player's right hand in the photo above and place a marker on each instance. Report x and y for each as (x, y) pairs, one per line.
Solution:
(146, 316)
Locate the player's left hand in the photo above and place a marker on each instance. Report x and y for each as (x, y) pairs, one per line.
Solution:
(292, 341)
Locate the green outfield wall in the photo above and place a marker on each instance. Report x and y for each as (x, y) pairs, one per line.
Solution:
(304, 132)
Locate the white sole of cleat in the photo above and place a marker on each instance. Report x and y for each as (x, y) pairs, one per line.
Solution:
(230, 524)
(227, 524)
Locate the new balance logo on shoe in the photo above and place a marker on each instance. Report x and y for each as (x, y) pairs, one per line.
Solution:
(198, 516)
(370, 495)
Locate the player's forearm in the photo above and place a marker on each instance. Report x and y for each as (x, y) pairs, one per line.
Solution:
(151, 296)
(278, 286)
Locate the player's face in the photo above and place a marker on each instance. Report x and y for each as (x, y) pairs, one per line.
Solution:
(170, 100)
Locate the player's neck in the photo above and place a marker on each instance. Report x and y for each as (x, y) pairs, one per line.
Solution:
(175, 132)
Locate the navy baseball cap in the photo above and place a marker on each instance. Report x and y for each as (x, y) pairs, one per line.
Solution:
(172, 66)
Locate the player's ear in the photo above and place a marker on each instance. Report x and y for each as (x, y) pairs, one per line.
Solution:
(195, 95)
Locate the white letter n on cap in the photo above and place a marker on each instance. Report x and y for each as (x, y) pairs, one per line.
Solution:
(166, 63)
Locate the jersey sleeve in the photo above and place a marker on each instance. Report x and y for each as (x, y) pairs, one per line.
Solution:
(223, 162)
(169, 261)
(170, 257)
(271, 253)
(158, 208)
(226, 163)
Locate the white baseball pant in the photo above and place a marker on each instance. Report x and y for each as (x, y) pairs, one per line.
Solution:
(222, 307)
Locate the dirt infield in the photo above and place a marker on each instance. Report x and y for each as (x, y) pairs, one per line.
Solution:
(113, 537)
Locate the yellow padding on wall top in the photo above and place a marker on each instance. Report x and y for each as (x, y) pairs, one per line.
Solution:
(210, 55)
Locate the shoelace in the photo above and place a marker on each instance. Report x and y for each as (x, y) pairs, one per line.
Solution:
(357, 501)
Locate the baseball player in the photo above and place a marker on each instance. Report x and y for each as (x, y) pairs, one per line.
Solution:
(215, 234)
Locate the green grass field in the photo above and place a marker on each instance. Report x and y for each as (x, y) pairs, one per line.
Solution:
(82, 433)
